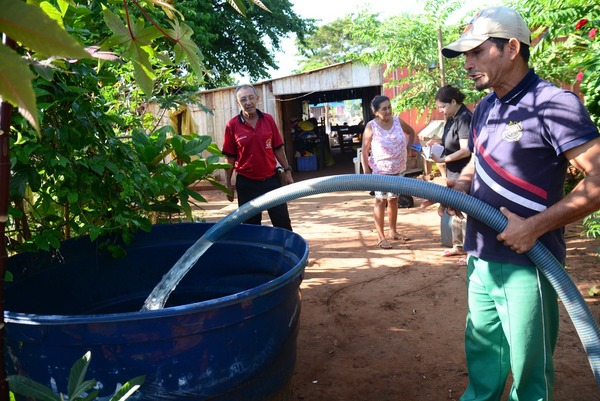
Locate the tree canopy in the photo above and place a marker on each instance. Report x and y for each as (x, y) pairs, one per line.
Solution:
(234, 43)
(337, 42)
(406, 41)
(566, 50)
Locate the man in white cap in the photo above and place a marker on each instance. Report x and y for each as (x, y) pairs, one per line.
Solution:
(523, 136)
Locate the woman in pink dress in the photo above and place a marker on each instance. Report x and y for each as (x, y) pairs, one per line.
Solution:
(385, 146)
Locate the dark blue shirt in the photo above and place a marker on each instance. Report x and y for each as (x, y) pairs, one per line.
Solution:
(518, 143)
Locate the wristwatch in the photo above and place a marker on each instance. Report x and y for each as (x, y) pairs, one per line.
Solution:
(288, 168)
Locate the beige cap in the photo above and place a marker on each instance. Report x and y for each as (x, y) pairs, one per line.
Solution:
(494, 22)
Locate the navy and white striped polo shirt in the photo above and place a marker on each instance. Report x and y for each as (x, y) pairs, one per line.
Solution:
(518, 143)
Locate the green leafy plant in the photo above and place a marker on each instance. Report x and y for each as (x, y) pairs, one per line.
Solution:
(591, 224)
(100, 166)
(78, 388)
(76, 180)
(75, 160)
(567, 51)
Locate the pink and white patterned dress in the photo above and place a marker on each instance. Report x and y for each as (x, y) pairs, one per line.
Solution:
(388, 149)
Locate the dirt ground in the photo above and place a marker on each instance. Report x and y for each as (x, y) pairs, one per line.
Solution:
(388, 324)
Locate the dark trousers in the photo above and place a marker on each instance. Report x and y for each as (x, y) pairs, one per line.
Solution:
(248, 189)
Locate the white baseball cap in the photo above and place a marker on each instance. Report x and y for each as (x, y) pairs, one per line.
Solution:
(494, 22)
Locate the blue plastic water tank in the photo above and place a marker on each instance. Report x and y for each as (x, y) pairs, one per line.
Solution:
(228, 331)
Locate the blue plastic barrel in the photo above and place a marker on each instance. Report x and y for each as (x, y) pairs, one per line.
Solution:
(228, 331)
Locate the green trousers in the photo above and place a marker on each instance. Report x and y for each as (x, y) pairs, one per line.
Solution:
(512, 326)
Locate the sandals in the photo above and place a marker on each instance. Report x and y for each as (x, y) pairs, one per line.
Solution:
(462, 261)
(453, 252)
(384, 244)
(398, 236)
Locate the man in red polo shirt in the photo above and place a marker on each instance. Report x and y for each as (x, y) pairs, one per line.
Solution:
(253, 146)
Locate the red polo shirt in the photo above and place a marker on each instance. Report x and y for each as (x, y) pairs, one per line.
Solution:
(253, 148)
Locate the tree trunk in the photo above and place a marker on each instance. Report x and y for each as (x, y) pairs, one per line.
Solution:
(6, 110)
(441, 58)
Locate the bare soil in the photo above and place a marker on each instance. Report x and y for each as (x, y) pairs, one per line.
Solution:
(388, 324)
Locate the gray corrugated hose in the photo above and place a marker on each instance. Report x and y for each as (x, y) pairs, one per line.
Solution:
(582, 318)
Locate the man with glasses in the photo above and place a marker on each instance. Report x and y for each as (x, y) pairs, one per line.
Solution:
(254, 147)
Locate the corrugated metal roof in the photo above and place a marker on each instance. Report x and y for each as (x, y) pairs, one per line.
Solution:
(334, 77)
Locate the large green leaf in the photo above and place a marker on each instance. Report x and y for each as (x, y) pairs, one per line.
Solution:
(29, 388)
(135, 38)
(29, 25)
(53, 13)
(197, 145)
(144, 76)
(77, 375)
(15, 85)
(185, 47)
(128, 388)
(135, 33)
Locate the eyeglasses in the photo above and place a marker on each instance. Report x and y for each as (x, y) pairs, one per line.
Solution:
(250, 99)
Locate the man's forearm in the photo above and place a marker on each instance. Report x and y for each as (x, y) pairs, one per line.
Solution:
(582, 201)
(463, 183)
(229, 172)
(282, 159)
